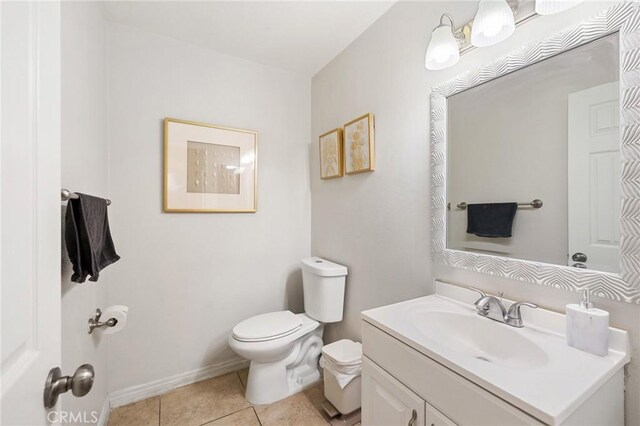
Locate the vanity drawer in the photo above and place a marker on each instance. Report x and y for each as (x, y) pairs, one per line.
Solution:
(458, 398)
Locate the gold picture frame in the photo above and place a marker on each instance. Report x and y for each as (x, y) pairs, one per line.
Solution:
(359, 152)
(330, 149)
(209, 168)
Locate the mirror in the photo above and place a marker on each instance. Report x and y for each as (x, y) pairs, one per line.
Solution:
(549, 132)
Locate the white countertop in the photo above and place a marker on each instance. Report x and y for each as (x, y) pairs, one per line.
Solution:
(550, 392)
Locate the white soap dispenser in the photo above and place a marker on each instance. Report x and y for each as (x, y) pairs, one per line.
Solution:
(588, 327)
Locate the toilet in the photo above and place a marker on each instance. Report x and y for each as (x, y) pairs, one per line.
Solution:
(284, 347)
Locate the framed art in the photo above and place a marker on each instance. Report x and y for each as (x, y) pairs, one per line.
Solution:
(331, 154)
(358, 145)
(209, 169)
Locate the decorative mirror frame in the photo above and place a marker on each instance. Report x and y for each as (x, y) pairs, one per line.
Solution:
(625, 286)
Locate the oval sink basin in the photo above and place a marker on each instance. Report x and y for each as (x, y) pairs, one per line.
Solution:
(479, 338)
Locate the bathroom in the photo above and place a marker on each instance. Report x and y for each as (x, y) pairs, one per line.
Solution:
(105, 75)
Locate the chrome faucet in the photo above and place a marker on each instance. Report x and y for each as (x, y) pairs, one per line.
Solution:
(512, 316)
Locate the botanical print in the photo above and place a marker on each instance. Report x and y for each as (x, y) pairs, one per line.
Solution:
(330, 154)
(358, 145)
(330, 158)
(357, 148)
(213, 168)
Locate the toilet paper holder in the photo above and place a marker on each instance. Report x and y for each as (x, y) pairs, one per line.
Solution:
(96, 323)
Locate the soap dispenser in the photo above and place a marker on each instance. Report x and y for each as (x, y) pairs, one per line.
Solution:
(588, 327)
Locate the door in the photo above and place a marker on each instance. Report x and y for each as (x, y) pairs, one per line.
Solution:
(386, 401)
(29, 207)
(594, 178)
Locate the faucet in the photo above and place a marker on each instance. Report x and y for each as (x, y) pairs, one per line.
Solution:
(512, 316)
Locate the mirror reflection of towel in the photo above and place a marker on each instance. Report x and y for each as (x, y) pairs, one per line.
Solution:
(492, 220)
(88, 238)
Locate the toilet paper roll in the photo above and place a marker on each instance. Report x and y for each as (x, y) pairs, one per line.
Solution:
(119, 312)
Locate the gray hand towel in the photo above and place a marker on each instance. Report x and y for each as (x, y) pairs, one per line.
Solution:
(88, 237)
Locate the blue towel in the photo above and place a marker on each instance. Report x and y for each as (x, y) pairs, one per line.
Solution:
(492, 220)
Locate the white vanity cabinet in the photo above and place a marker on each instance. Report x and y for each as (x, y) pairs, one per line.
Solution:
(389, 402)
(397, 379)
(433, 361)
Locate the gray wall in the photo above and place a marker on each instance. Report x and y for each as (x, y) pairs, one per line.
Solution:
(378, 223)
(189, 278)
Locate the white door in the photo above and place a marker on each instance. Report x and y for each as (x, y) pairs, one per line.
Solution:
(29, 207)
(386, 401)
(594, 178)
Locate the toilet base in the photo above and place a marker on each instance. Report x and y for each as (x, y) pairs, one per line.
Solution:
(272, 381)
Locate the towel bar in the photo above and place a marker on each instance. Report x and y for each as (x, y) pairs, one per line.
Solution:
(536, 204)
(66, 195)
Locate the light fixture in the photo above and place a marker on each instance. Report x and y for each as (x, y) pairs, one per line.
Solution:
(442, 51)
(549, 7)
(494, 22)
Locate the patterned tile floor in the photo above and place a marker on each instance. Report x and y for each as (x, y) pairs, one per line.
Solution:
(220, 401)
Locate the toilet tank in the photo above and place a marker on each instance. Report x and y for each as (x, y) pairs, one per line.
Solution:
(323, 284)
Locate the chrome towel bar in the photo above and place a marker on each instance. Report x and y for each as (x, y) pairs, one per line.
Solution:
(66, 195)
(536, 204)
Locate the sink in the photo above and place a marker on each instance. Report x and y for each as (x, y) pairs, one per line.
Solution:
(479, 338)
(531, 367)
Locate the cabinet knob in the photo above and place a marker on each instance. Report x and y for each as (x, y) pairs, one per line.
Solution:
(414, 417)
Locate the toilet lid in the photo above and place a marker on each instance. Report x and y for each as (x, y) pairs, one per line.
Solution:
(267, 326)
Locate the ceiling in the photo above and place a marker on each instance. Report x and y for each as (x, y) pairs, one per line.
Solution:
(301, 36)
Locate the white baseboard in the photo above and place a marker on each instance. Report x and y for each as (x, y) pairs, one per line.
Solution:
(158, 387)
(104, 413)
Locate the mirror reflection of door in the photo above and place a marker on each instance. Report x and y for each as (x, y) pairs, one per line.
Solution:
(594, 178)
(548, 131)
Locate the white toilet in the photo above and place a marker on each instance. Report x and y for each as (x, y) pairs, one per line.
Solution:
(284, 347)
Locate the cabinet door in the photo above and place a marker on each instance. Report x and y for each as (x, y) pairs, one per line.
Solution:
(386, 401)
(436, 418)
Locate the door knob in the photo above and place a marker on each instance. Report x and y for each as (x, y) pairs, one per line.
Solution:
(579, 257)
(80, 384)
(579, 265)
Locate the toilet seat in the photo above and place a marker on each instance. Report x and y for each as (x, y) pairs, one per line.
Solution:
(269, 326)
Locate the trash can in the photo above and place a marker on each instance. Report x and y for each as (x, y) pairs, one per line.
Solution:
(342, 363)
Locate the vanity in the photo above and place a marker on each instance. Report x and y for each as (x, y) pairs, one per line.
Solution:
(434, 361)
(534, 162)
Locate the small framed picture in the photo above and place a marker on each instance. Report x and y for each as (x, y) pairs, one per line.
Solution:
(358, 145)
(331, 154)
(209, 168)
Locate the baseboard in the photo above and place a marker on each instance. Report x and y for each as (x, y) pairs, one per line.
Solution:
(104, 413)
(158, 387)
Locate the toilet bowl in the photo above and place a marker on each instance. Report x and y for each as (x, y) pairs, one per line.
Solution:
(284, 347)
(283, 363)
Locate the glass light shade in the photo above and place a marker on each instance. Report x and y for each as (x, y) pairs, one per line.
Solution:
(549, 7)
(493, 23)
(442, 51)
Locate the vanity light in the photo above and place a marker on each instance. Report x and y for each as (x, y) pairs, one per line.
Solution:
(494, 22)
(549, 7)
(442, 51)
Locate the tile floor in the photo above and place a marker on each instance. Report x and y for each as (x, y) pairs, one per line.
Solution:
(220, 401)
